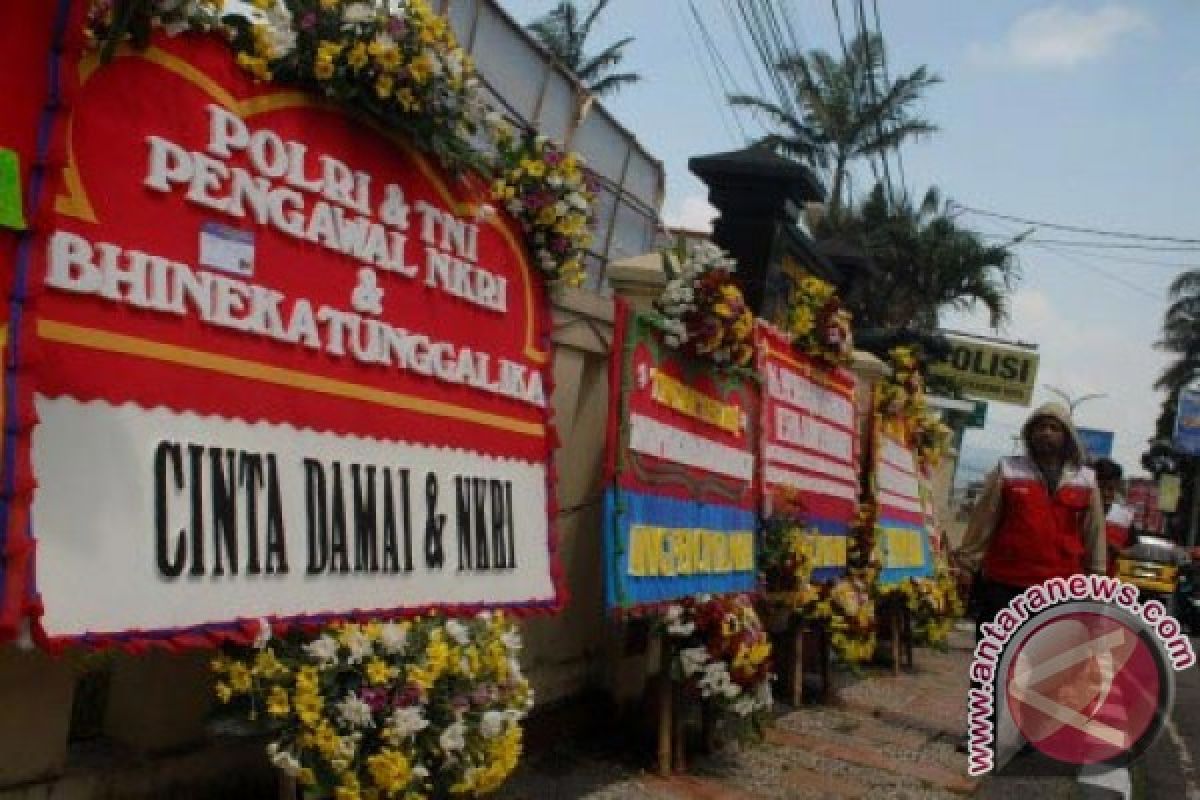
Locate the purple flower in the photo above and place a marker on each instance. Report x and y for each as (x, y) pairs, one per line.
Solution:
(308, 21)
(559, 244)
(481, 696)
(397, 28)
(553, 158)
(375, 698)
(407, 697)
(460, 703)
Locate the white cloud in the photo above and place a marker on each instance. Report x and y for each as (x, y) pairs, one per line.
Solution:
(1059, 37)
(694, 214)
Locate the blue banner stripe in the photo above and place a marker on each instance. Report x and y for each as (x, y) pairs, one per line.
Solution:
(625, 509)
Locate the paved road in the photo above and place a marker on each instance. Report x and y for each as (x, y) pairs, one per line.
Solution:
(1170, 769)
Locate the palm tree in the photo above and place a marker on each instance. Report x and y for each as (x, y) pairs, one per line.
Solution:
(848, 109)
(924, 262)
(1181, 338)
(564, 34)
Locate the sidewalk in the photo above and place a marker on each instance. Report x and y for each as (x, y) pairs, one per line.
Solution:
(885, 737)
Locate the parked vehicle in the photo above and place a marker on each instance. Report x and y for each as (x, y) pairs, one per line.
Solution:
(1153, 566)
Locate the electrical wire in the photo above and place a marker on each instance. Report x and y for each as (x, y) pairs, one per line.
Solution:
(1058, 226)
(720, 102)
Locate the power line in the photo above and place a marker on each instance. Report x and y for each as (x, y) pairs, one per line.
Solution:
(1071, 257)
(1107, 245)
(727, 81)
(721, 103)
(1145, 237)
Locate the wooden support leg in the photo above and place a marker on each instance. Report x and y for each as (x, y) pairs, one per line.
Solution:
(908, 639)
(797, 680)
(825, 654)
(666, 699)
(678, 734)
(287, 787)
(894, 624)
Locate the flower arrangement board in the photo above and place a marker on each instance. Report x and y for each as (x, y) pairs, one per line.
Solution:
(680, 507)
(903, 543)
(809, 448)
(271, 361)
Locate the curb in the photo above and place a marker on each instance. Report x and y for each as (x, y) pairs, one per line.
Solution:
(1105, 783)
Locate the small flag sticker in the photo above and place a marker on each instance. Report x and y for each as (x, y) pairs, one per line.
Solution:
(11, 215)
(227, 249)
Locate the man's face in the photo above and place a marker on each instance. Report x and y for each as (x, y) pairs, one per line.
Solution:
(1047, 437)
(1108, 491)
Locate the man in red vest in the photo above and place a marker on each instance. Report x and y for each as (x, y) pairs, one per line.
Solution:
(1040, 516)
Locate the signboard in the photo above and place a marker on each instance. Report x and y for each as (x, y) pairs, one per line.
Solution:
(1141, 495)
(680, 508)
(809, 446)
(1096, 443)
(903, 539)
(989, 370)
(1169, 487)
(280, 365)
(1187, 423)
(978, 415)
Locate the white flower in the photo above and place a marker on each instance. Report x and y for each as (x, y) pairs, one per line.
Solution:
(493, 724)
(280, 33)
(406, 722)
(264, 634)
(354, 712)
(554, 181)
(577, 201)
(745, 706)
(453, 738)
(359, 645)
(512, 641)
(323, 650)
(283, 760)
(681, 628)
(458, 632)
(393, 638)
(356, 13)
(420, 771)
(692, 659)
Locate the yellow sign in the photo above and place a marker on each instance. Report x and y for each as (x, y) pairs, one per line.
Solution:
(824, 551)
(1168, 494)
(686, 400)
(990, 370)
(666, 552)
(902, 548)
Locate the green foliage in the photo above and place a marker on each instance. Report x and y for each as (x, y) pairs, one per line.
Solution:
(926, 262)
(564, 31)
(850, 109)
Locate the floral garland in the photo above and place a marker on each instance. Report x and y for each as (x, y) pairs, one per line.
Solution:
(934, 604)
(901, 402)
(703, 312)
(722, 653)
(818, 324)
(848, 609)
(785, 565)
(401, 66)
(427, 707)
(547, 191)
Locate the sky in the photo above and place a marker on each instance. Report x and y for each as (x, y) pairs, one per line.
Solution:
(1074, 112)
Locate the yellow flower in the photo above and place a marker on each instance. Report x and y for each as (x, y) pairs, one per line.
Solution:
(239, 678)
(255, 66)
(378, 672)
(330, 5)
(308, 708)
(383, 85)
(277, 702)
(406, 99)
(357, 57)
(306, 777)
(535, 168)
(420, 68)
(389, 770)
(224, 693)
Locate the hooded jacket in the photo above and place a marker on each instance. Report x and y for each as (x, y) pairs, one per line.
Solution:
(1076, 488)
